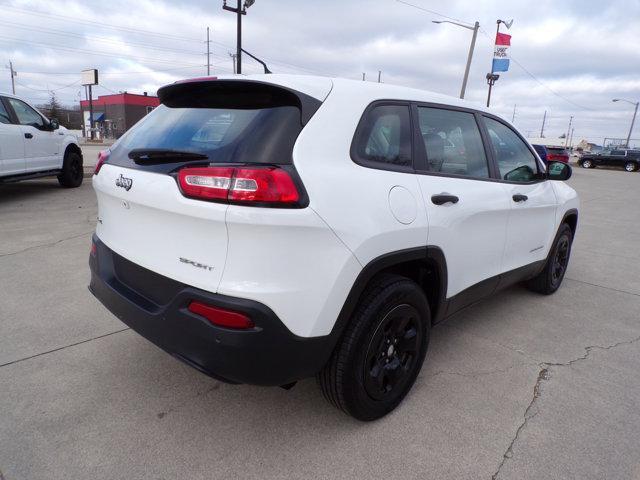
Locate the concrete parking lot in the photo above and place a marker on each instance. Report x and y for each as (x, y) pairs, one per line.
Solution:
(521, 386)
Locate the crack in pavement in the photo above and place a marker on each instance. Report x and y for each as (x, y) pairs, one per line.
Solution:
(602, 286)
(62, 348)
(478, 373)
(51, 244)
(543, 375)
(172, 409)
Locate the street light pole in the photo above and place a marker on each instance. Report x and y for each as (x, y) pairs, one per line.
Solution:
(475, 28)
(239, 39)
(633, 120)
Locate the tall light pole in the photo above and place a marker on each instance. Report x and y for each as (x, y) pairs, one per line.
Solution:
(240, 10)
(475, 28)
(492, 77)
(633, 120)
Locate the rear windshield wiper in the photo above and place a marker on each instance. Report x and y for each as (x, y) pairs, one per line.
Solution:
(144, 156)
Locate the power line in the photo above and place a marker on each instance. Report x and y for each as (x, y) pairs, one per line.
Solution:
(549, 88)
(88, 52)
(154, 70)
(431, 11)
(95, 38)
(101, 24)
(538, 80)
(48, 89)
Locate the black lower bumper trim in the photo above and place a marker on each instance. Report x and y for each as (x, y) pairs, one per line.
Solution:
(268, 354)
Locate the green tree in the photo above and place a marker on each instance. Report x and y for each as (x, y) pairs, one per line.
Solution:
(54, 106)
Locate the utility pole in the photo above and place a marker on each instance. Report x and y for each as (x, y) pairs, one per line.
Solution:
(513, 116)
(571, 138)
(208, 54)
(239, 10)
(233, 57)
(566, 138)
(544, 119)
(13, 75)
(633, 120)
(379, 75)
(363, 76)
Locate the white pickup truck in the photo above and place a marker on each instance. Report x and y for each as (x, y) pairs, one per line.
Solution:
(33, 146)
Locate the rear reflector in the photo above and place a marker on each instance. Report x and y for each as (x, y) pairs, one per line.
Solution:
(102, 157)
(94, 249)
(220, 317)
(257, 185)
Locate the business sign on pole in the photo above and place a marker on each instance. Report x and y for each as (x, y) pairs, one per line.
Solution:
(89, 77)
(501, 53)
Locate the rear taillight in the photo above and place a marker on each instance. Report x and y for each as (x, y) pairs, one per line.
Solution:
(221, 317)
(244, 185)
(94, 249)
(102, 157)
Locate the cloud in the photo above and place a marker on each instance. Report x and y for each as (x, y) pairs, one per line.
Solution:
(582, 53)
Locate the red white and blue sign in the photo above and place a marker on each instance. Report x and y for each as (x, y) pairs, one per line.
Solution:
(501, 53)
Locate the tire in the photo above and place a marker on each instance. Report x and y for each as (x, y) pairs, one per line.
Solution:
(550, 279)
(630, 166)
(72, 171)
(586, 164)
(381, 351)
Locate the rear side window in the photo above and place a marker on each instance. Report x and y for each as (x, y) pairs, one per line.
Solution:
(225, 135)
(383, 138)
(453, 143)
(515, 161)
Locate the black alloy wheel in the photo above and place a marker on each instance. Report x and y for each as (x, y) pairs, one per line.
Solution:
(392, 353)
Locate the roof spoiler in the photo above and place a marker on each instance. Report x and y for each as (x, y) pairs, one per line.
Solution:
(209, 92)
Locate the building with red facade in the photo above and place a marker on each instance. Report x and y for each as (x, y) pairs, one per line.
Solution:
(115, 114)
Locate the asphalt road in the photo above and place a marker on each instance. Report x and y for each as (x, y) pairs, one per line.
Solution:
(521, 386)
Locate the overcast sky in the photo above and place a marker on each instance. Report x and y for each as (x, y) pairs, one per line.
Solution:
(569, 57)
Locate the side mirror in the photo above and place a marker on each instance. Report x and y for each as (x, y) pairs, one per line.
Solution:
(523, 173)
(54, 124)
(559, 171)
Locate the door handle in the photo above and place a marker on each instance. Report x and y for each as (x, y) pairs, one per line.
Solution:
(443, 198)
(28, 135)
(518, 197)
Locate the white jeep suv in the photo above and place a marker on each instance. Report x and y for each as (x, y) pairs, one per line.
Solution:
(265, 229)
(33, 146)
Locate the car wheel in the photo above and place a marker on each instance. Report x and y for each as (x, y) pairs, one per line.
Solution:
(630, 166)
(382, 350)
(586, 164)
(72, 171)
(550, 279)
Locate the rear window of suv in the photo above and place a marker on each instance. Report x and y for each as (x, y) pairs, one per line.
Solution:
(225, 135)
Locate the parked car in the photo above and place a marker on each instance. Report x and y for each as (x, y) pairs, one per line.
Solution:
(627, 159)
(557, 154)
(542, 151)
(552, 154)
(33, 146)
(323, 232)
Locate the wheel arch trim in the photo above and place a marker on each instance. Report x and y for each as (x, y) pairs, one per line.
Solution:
(430, 255)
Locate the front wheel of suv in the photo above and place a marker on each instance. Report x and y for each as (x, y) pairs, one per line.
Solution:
(382, 350)
(549, 280)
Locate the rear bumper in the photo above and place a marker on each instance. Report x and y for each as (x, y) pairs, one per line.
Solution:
(156, 308)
